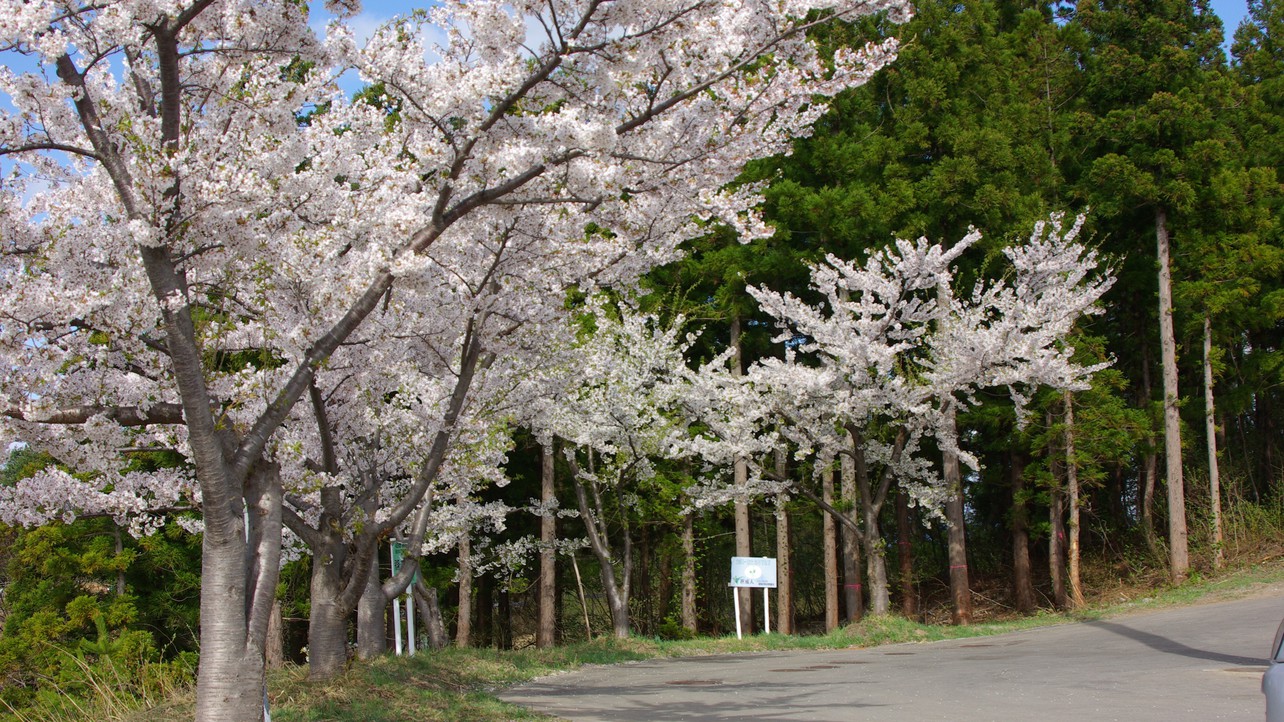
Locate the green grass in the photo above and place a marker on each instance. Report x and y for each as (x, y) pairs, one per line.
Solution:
(455, 684)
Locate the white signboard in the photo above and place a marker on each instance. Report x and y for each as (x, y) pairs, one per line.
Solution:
(753, 572)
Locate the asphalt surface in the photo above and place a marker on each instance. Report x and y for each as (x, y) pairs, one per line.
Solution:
(1195, 663)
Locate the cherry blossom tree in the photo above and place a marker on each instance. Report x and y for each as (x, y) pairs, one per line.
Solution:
(198, 224)
(619, 410)
(884, 363)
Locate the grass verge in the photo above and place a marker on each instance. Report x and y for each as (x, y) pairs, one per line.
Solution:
(454, 684)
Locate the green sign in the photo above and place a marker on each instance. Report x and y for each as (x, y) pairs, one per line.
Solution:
(398, 554)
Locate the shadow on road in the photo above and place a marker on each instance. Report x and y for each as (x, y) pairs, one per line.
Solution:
(709, 701)
(1164, 644)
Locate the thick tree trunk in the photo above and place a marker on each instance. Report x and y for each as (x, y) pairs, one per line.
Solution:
(1072, 491)
(546, 631)
(880, 601)
(744, 547)
(784, 547)
(372, 617)
(1178, 554)
(744, 540)
(1022, 572)
(231, 675)
(960, 590)
(689, 620)
(830, 544)
(1149, 473)
(853, 597)
(1210, 430)
(240, 566)
(464, 617)
(905, 556)
(615, 600)
(1057, 549)
(430, 611)
(327, 620)
(871, 537)
(275, 650)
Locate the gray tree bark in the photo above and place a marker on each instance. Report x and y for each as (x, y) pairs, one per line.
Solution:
(593, 514)
(853, 586)
(784, 550)
(1072, 491)
(275, 651)
(464, 618)
(1056, 527)
(430, 611)
(1178, 552)
(1210, 430)
(372, 617)
(546, 630)
(830, 547)
(689, 619)
(1022, 570)
(960, 591)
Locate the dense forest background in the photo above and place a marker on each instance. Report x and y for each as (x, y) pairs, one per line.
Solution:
(994, 115)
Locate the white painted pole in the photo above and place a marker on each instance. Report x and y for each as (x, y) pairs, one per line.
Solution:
(766, 611)
(735, 594)
(410, 622)
(396, 606)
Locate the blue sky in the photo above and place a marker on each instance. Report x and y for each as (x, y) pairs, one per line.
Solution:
(1231, 12)
(375, 12)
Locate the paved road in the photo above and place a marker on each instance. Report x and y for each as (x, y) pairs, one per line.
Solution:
(1198, 663)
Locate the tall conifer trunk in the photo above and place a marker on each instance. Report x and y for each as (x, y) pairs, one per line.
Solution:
(464, 618)
(547, 627)
(1022, 573)
(960, 590)
(1072, 491)
(1056, 526)
(853, 597)
(1178, 554)
(830, 544)
(1210, 430)
(784, 550)
(689, 620)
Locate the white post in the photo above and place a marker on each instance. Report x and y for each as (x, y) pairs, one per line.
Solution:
(410, 622)
(766, 611)
(735, 594)
(396, 607)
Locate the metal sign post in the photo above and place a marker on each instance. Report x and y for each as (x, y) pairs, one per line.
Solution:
(755, 573)
(397, 552)
(393, 558)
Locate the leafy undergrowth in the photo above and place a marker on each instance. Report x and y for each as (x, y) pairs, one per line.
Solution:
(454, 684)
